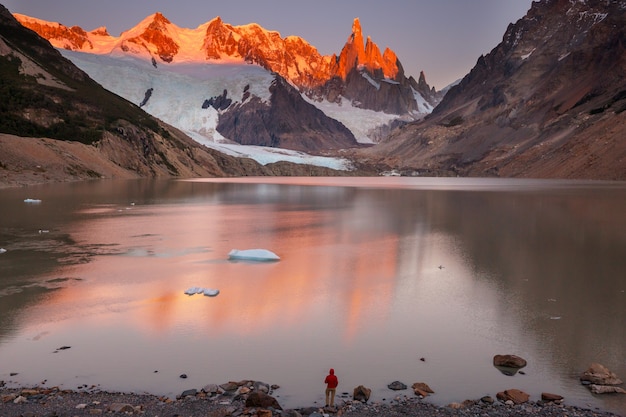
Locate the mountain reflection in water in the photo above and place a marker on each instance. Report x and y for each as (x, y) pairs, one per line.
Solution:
(375, 273)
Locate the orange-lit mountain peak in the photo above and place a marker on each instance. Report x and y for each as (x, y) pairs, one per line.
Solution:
(101, 31)
(356, 26)
(365, 54)
(155, 34)
(159, 19)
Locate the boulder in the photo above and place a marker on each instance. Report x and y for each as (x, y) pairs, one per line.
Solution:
(261, 386)
(606, 389)
(600, 375)
(397, 386)
(514, 395)
(487, 399)
(229, 386)
(361, 394)
(121, 408)
(262, 400)
(509, 361)
(421, 388)
(211, 389)
(546, 396)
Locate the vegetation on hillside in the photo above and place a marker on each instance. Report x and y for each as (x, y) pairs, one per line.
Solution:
(81, 112)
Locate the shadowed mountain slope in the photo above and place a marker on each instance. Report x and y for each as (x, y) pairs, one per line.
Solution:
(548, 102)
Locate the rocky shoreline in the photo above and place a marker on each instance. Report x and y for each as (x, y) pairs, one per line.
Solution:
(253, 398)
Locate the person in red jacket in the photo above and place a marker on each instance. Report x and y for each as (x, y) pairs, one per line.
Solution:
(331, 382)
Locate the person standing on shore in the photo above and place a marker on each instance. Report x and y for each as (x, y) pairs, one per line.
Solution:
(331, 382)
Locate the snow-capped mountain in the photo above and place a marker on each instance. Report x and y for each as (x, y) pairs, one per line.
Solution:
(188, 71)
(548, 101)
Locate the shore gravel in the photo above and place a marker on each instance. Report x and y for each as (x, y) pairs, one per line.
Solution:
(55, 402)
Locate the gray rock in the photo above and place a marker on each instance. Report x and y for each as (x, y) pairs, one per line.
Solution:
(397, 386)
(189, 392)
(121, 408)
(261, 386)
(211, 389)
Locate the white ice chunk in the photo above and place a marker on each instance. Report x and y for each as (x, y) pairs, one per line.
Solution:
(193, 290)
(2, 250)
(32, 201)
(253, 255)
(211, 292)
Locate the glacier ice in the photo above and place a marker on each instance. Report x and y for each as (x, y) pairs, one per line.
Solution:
(253, 255)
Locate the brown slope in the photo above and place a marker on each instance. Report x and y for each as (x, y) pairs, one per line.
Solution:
(547, 102)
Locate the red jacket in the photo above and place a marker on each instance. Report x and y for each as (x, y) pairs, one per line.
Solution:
(331, 380)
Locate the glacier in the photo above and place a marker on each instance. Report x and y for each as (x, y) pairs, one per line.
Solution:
(179, 90)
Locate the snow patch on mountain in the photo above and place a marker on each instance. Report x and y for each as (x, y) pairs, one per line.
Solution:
(359, 121)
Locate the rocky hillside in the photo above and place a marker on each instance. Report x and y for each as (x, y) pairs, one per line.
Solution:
(548, 102)
(91, 133)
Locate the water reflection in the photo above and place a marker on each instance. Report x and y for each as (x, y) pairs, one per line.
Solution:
(373, 276)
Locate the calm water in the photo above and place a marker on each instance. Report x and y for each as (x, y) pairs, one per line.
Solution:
(375, 274)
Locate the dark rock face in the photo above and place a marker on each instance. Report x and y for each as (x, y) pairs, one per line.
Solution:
(287, 122)
(146, 97)
(218, 102)
(548, 102)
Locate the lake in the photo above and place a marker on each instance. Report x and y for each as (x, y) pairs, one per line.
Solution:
(383, 279)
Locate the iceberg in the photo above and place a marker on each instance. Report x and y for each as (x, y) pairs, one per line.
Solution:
(194, 290)
(32, 201)
(2, 250)
(253, 255)
(209, 292)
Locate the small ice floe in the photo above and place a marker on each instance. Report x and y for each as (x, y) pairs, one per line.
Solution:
(209, 292)
(32, 201)
(194, 290)
(2, 250)
(253, 255)
(44, 231)
(555, 317)
(552, 300)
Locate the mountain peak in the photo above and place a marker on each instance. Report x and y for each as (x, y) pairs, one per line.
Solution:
(356, 26)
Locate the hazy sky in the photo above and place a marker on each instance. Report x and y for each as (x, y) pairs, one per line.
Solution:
(443, 38)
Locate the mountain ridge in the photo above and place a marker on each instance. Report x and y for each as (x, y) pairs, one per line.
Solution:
(547, 102)
(320, 77)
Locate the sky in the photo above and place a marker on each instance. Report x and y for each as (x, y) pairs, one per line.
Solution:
(443, 38)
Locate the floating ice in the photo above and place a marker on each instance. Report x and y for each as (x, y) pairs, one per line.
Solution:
(209, 292)
(194, 290)
(253, 255)
(2, 250)
(32, 201)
